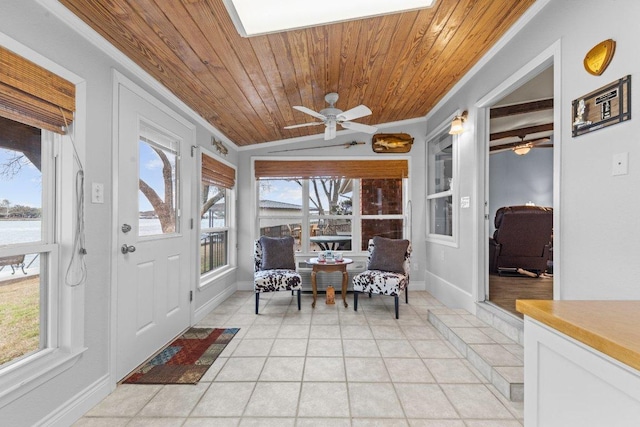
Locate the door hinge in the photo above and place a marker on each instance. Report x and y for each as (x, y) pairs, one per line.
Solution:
(190, 296)
(191, 223)
(486, 216)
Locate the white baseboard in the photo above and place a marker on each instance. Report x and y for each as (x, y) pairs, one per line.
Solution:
(73, 409)
(201, 312)
(449, 294)
(417, 286)
(245, 286)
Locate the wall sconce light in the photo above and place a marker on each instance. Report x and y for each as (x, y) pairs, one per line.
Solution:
(457, 124)
(521, 150)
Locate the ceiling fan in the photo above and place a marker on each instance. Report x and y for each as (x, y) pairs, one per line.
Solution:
(332, 116)
(522, 147)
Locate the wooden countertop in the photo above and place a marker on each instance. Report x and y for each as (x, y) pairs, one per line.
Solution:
(611, 327)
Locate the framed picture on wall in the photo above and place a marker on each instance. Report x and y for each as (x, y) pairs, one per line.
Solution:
(609, 105)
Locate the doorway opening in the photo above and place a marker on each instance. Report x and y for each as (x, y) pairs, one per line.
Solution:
(520, 190)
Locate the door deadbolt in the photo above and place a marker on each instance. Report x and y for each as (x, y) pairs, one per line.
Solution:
(125, 249)
(126, 228)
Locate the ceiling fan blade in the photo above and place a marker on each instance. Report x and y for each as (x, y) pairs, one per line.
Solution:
(309, 111)
(304, 125)
(510, 145)
(359, 127)
(354, 113)
(330, 131)
(539, 140)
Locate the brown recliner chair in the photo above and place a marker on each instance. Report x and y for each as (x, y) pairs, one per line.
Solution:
(522, 240)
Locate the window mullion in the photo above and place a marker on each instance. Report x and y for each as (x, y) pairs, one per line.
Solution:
(356, 223)
(306, 229)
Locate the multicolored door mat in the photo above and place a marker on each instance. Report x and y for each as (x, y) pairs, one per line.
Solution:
(186, 359)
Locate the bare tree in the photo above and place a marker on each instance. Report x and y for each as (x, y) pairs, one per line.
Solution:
(331, 189)
(5, 204)
(165, 209)
(24, 141)
(208, 202)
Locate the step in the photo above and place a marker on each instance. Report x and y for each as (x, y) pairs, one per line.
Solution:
(497, 357)
(503, 321)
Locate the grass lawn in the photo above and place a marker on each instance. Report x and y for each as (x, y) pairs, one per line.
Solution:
(19, 317)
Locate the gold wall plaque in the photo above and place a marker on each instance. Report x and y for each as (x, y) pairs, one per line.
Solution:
(598, 58)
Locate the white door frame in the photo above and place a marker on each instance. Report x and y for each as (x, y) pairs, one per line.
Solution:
(118, 80)
(550, 56)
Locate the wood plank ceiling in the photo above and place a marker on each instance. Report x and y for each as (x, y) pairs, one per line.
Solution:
(398, 65)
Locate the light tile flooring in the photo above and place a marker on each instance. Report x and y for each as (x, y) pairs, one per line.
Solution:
(328, 366)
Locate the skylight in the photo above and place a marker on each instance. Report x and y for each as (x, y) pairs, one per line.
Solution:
(256, 17)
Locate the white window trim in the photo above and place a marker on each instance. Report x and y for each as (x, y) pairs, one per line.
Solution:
(210, 277)
(26, 374)
(452, 240)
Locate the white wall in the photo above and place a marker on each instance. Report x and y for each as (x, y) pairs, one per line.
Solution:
(516, 180)
(597, 213)
(33, 26)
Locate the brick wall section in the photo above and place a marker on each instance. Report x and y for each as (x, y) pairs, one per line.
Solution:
(381, 197)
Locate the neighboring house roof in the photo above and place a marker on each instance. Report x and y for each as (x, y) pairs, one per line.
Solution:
(272, 204)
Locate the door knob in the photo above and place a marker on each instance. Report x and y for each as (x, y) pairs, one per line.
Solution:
(127, 249)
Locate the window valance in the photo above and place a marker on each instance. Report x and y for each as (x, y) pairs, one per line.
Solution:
(367, 169)
(217, 173)
(34, 96)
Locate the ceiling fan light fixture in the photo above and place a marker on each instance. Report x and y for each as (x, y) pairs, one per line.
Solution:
(521, 150)
(457, 124)
(257, 17)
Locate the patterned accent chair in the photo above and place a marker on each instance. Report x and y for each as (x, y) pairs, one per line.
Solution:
(383, 282)
(279, 279)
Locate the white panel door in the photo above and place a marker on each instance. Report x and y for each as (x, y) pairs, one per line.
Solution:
(154, 265)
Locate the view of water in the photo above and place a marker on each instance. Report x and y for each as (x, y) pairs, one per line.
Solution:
(12, 232)
(19, 232)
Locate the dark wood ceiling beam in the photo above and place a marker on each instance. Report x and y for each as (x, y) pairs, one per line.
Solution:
(521, 132)
(525, 107)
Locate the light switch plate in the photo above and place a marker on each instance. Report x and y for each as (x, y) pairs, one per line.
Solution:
(620, 164)
(97, 192)
(464, 202)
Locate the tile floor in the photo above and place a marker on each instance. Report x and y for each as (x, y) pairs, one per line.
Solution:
(328, 366)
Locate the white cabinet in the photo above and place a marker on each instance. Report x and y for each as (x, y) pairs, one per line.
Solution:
(568, 383)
